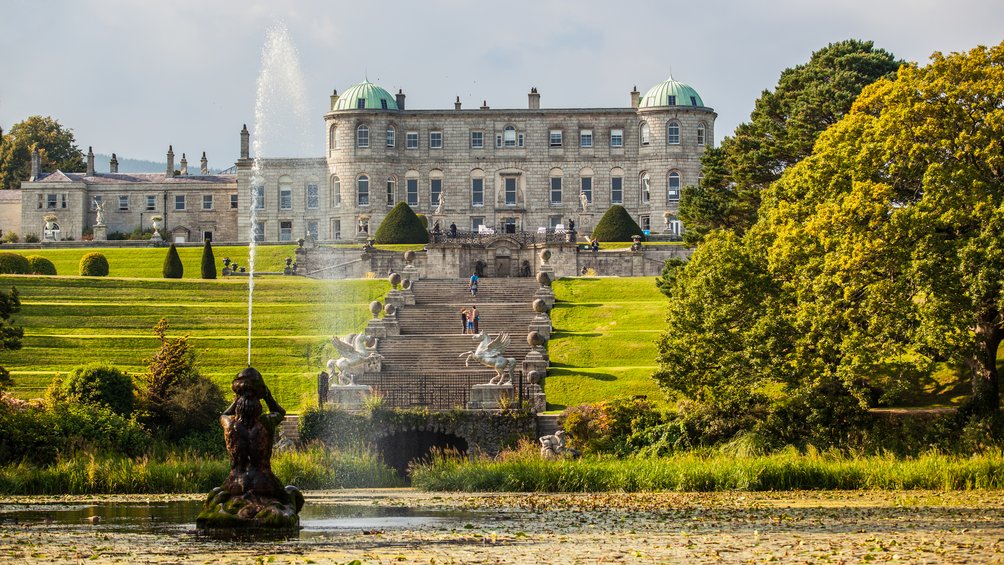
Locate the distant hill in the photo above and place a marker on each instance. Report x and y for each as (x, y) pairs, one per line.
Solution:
(127, 165)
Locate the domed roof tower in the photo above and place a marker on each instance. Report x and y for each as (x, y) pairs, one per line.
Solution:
(366, 96)
(671, 93)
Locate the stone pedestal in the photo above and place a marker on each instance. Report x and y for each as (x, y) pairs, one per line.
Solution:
(541, 324)
(490, 397)
(391, 326)
(155, 239)
(546, 294)
(410, 272)
(376, 328)
(349, 397)
(394, 297)
(535, 360)
(408, 296)
(585, 224)
(533, 395)
(101, 233)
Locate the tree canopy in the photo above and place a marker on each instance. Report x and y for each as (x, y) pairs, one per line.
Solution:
(56, 145)
(10, 335)
(782, 129)
(873, 258)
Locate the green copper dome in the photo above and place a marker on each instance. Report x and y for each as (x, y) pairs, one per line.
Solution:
(366, 96)
(671, 93)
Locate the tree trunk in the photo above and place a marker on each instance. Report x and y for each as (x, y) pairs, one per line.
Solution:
(986, 389)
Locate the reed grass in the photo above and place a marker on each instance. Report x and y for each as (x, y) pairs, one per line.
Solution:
(526, 471)
(314, 468)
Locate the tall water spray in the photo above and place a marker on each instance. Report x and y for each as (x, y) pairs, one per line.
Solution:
(279, 113)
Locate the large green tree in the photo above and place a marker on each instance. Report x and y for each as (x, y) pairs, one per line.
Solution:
(781, 131)
(56, 147)
(10, 335)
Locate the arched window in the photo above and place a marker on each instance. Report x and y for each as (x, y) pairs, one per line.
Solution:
(646, 134)
(391, 136)
(509, 136)
(700, 134)
(336, 191)
(363, 190)
(555, 186)
(673, 187)
(391, 190)
(645, 182)
(363, 136)
(332, 138)
(673, 133)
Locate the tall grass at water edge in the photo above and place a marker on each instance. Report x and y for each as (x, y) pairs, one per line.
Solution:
(313, 468)
(526, 471)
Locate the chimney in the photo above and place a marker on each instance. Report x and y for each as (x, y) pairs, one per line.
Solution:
(36, 165)
(484, 105)
(113, 165)
(534, 99)
(170, 161)
(90, 161)
(635, 97)
(245, 143)
(204, 165)
(400, 99)
(456, 105)
(184, 165)
(334, 99)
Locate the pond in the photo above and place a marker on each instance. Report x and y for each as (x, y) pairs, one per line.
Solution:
(406, 525)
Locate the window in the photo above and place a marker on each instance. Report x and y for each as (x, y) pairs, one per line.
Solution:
(234, 203)
(435, 140)
(207, 201)
(94, 202)
(645, 134)
(646, 224)
(411, 188)
(616, 190)
(554, 139)
(391, 191)
(672, 100)
(259, 231)
(645, 188)
(336, 229)
(673, 133)
(477, 139)
(616, 138)
(123, 203)
(435, 190)
(62, 201)
(673, 187)
(693, 101)
(509, 225)
(50, 201)
(285, 193)
(519, 140)
(477, 192)
(332, 138)
(151, 202)
(313, 197)
(179, 201)
(700, 134)
(207, 236)
(40, 201)
(553, 222)
(391, 136)
(286, 231)
(411, 140)
(555, 190)
(383, 103)
(586, 138)
(258, 197)
(312, 229)
(336, 192)
(476, 223)
(362, 136)
(363, 190)
(509, 136)
(510, 190)
(586, 187)
(361, 103)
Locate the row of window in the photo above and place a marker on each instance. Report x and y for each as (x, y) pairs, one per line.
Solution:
(180, 202)
(511, 138)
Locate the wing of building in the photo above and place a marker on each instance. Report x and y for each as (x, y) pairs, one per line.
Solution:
(481, 168)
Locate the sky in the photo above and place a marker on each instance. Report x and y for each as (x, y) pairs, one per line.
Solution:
(133, 77)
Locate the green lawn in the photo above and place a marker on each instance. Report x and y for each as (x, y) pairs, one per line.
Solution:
(69, 321)
(603, 345)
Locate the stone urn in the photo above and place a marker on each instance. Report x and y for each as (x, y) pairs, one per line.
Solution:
(50, 221)
(156, 222)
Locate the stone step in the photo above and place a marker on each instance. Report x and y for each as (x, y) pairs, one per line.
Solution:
(547, 424)
(291, 427)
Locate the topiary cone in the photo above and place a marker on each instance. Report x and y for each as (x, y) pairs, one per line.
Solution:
(173, 269)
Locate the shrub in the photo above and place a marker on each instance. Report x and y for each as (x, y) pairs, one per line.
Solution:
(208, 261)
(13, 264)
(9, 237)
(93, 265)
(425, 221)
(100, 385)
(401, 225)
(31, 238)
(616, 225)
(173, 269)
(39, 265)
(194, 408)
(616, 426)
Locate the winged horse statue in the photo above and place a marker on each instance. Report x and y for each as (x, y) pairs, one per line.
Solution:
(356, 351)
(490, 354)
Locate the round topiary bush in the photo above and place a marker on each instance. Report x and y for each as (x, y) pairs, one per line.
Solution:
(616, 225)
(173, 269)
(14, 264)
(100, 385)
(38, 265)
(208, 261)
(93, 265)
(401, 225)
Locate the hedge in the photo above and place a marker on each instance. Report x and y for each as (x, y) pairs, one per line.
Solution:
(14, 264)
(616, 225)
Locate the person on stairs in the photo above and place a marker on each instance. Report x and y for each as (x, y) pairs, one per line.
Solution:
(476, 317)
(463, 320)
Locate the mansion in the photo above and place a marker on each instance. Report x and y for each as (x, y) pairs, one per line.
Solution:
(532, 169)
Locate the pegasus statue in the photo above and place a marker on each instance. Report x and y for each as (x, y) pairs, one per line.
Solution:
(356, 351)
(490, 354)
